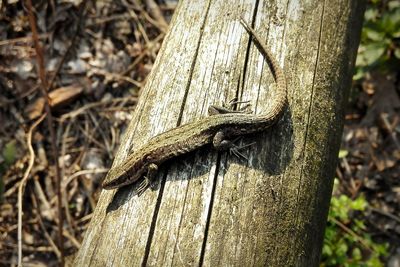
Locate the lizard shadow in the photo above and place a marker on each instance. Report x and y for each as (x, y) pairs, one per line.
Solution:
(270, 152)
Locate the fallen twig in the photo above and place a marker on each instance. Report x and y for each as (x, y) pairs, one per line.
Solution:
(22, 185)
(43, 88)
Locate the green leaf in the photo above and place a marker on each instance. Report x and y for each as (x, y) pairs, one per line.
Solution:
(9, 152)
(360, 72)
(396, 34)
(374, 35)
(342, 248)
(373, 52)
(359, 224)
(343, 153)
(382, 249)
(395, 17)
(393, 5)
(386, 24)
(357, 254)
(359, 204)
(374, 262)
(326, 250)
(370, 14)
(397, 53)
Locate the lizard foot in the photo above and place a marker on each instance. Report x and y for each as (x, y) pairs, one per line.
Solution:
(222, 144)
(235, 150)
(146, 182)
(229, 108)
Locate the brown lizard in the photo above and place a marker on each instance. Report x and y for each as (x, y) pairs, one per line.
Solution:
(217, 129)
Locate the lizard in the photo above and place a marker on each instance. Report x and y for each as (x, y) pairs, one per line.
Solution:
(216, 129)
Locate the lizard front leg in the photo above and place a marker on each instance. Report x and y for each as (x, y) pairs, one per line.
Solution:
(229, 108)
(152, 170)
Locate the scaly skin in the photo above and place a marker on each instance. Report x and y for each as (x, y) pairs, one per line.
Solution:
(217, 129)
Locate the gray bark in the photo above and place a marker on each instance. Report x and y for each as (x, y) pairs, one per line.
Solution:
(213, 209)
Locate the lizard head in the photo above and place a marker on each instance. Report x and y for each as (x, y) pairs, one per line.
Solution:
(124, 174)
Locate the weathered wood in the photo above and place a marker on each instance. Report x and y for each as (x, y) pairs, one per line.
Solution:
(211, 208)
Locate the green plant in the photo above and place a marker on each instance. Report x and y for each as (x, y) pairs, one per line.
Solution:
(8, 157)
(346, 243)
(380, 38)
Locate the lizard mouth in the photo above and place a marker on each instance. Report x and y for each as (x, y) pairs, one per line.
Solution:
(109, 183)
(112, 183)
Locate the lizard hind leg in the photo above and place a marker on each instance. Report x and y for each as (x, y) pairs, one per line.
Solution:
(221, 143)
(152, 170)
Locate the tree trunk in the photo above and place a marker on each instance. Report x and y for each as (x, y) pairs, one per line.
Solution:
(210, 208)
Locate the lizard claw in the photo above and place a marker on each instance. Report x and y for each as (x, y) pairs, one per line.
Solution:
(144, 184)
(151, 173)
(229, 107)
(235, 150)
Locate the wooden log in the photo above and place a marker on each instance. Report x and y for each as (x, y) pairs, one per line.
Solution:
(210, 208)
